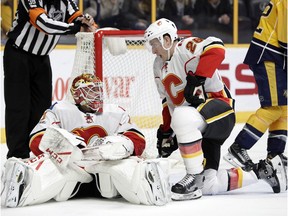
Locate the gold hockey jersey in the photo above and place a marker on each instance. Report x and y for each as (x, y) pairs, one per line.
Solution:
(269, 42)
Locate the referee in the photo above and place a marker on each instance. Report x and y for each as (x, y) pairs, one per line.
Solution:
(35, 31)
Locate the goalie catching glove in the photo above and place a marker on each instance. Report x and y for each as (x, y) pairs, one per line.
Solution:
(194, 90)
(166, 142)
(109, 148)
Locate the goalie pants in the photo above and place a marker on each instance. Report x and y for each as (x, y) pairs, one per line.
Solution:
(220, 118)
(87, 189)
(27, 94)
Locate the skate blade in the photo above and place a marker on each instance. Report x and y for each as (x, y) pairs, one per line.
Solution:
(197, 194)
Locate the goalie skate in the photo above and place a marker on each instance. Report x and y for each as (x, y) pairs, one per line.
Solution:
(157, 184)
(14, 185)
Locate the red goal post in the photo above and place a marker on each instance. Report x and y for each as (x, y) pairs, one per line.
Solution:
(127, 77)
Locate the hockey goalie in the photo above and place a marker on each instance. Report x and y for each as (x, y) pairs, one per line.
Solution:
(82, 146)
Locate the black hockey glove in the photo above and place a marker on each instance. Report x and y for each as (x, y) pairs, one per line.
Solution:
(194, 90)
(166, 142)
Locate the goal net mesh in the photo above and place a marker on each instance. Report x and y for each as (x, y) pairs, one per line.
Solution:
(127, 79)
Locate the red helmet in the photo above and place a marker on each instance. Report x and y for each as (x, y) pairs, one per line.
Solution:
(87, 92)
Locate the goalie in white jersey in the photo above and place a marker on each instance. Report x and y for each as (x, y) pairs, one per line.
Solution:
(197, 108)
(72, 140)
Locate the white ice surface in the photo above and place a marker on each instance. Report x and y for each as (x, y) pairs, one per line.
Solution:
(254, 200)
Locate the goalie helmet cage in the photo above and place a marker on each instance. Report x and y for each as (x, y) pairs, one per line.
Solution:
(127, 75)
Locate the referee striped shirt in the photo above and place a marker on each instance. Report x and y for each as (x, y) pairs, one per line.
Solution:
(38, 24)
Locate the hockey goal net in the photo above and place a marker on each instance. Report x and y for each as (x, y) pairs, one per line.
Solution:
(127, 77)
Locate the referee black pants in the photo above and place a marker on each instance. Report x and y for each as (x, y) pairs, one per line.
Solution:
(27, 94)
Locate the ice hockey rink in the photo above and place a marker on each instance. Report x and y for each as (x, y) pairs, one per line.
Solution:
(254, 200)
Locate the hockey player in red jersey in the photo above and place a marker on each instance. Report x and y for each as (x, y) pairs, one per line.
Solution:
(72, 140)
(198, 110)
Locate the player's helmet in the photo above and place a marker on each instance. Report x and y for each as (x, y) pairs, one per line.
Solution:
(158, 29)
(87, 92)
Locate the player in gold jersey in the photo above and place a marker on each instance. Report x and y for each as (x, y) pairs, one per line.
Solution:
(267, 58)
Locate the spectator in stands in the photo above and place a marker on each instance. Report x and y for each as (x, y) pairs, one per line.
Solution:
(136, 14)
(105, 12)
(211, 12)
(255, 9)
(6, 17)
(179, 11)
(122, 14)
(213, 17)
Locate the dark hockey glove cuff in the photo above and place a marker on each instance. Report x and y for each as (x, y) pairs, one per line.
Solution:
(166, 142)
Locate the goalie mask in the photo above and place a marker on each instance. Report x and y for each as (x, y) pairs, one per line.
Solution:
(87, 92)
(158, 29)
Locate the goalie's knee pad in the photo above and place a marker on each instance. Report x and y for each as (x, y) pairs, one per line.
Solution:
(188, 124)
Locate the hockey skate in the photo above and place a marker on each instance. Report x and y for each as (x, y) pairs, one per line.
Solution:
(190, 187)
(274, 173)
(158, 185)
(238, 157)
(282, 156)
(13, 185)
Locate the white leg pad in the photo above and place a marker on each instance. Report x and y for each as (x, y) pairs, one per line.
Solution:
(137, 181)
(42, 181)
(106, 186)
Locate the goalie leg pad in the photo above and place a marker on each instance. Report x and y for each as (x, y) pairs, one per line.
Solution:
(39, 180)
(106, 186)
(28, 184)
(158, 189)
(72, 175)
(145, 187)
(137, 181)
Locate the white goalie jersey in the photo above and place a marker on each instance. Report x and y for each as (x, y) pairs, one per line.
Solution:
(90, 126)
